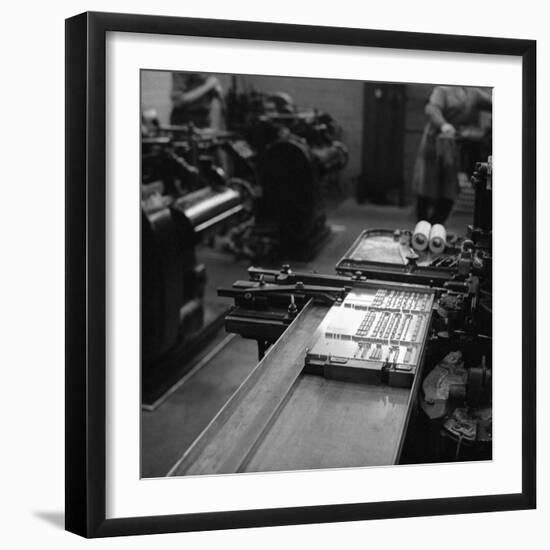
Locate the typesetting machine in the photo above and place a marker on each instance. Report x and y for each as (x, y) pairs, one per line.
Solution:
(343, 357)
(376, 334)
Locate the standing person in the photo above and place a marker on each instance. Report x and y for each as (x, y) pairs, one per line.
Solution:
(451, 111)
(196, 98)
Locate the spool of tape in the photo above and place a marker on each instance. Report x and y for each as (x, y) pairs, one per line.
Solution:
(421, 235)
(438, 238)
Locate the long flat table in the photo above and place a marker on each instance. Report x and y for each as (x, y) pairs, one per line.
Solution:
(283, 419)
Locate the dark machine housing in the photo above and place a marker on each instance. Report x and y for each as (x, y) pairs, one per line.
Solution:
(187, 197)
(299, 160)
(423, 323)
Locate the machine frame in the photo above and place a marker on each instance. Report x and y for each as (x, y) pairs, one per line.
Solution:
(86, 280)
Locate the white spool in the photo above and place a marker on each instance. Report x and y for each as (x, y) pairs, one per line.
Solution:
(438, 238)
(421, 235)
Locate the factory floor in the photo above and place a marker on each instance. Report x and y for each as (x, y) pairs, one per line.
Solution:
(169, 428)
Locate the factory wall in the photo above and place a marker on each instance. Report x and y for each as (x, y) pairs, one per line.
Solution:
(155, 91)
(343, 99)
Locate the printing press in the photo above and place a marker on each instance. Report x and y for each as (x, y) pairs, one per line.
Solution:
(299, 158)
(255, 198)
(386, 361)
(187, 198)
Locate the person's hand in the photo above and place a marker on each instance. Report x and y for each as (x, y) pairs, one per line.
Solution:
(177, 98)
(214, 85)
(448, 130)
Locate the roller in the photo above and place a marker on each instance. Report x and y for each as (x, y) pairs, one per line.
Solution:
(421, 235)
(438, 238)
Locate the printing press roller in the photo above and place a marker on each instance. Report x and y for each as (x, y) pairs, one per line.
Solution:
(173, 280)
(209, 207)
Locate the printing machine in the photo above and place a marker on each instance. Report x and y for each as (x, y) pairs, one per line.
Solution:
(265, 199)
(299, 158)
(187, 198)
(386, 361)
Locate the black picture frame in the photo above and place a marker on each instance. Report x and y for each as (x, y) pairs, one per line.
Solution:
(86, 263)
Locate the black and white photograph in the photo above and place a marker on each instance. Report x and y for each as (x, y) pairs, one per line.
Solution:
(316, 273)
(302, 274)
(273, 275)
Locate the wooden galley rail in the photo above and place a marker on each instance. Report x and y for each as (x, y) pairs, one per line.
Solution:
(226, 442)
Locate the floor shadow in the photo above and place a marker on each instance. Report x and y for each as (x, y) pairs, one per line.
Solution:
(57, 519)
